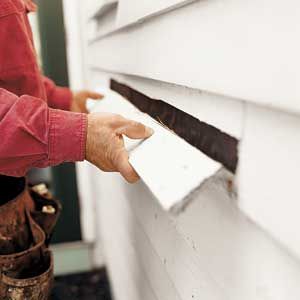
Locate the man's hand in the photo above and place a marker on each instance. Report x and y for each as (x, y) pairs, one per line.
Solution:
(79, 100)
(105, 145)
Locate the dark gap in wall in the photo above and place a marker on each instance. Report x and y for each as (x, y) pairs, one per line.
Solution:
(215, 143)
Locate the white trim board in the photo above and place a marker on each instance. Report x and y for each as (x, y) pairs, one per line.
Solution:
(244, 49)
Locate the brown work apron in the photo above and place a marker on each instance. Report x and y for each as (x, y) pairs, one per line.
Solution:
(28, 215)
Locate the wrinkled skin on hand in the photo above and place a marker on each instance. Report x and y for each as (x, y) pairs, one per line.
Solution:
(105, 145)
(80, 98)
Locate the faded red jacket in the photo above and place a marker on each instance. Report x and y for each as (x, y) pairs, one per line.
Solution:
(32, 134)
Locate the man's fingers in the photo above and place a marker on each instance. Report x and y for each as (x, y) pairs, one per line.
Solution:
(125, 168)
(94, 95)
(135, 130)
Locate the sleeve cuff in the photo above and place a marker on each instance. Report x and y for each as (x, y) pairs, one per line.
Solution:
(67, 136)
(61, 98)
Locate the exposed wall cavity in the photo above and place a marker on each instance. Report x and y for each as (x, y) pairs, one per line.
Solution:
(215, 143)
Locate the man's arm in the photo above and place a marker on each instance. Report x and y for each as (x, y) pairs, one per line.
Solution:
(63, 98)
(33, 135)
(58, 97)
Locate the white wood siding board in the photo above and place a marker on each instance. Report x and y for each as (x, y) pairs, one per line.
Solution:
(237, 254)
(186, 278)
(126, 275)
(189, 166)
(128, 278)
(189, 275)
(132, 233)
(114, 199)
(243, 49)
(242, 258)
(158, 277)
(126, 272)
(131, 11)
(270, 162)
(132, 241)
(214, 239)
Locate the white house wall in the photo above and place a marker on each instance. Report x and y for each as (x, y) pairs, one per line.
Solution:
(211, 249)
(233, 64)
(242, 49)
(270, 162)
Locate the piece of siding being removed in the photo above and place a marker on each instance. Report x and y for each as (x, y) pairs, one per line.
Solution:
(168, 165)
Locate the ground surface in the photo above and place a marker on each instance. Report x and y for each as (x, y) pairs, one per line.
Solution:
(85, 286)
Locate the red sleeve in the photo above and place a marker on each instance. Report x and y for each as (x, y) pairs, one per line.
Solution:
(58, 97)
(33, 135)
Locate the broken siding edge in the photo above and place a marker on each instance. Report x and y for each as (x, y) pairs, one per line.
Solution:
(188, 165)
(213, 142)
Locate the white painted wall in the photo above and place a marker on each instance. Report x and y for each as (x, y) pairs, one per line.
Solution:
(221, 246)
(243, 49)
(269, 173)
(211, 251)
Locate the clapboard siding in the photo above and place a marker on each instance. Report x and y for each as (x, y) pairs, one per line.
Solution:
(129, 280)
(130, 243)
(211, 249)
(131, 11)
(207, 58)
(270, 161)
(188, 274)
(268, 138)
(241, 257)
(243, 49)
(219, 246)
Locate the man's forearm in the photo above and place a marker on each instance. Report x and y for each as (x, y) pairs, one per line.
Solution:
(57, 97)
(34, 135)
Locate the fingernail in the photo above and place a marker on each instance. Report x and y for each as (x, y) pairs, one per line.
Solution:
(150, 131)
